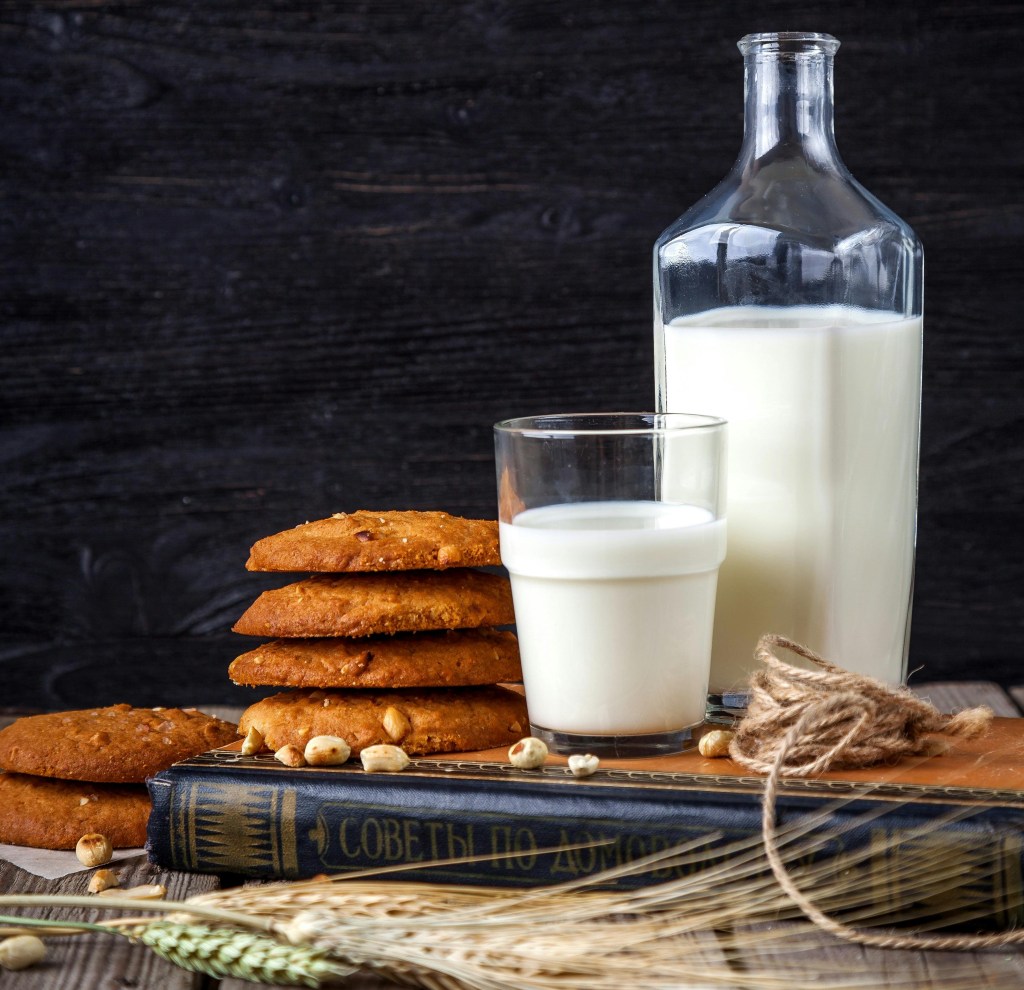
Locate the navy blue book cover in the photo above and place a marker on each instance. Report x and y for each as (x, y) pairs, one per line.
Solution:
(227, 813)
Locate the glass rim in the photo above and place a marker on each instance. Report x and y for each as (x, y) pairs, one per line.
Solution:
(558, 424)
(788, 43)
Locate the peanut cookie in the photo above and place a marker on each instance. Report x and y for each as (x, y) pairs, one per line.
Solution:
(370, 604)
(55, 814)
(427, 659)
(420, 721)
(116, 745)
(379, 541)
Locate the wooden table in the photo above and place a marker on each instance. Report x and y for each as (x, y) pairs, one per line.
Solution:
(100, 962)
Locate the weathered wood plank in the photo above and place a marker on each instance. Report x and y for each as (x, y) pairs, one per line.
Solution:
(1017, 693)
(358, 981)
(96, 960)
(259, 267)
(818, 959)
(950, 696)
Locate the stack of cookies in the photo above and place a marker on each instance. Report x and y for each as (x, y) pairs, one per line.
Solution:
(67, 774)
(392, 639)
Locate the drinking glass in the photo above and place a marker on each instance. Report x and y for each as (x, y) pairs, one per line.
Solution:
(612, 529)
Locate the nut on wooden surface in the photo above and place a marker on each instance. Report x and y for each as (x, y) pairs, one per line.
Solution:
(94, 849)
(528, 753)
(326, 751)
(21, 951)
(384, 759)
(714, 745)
(103, 880)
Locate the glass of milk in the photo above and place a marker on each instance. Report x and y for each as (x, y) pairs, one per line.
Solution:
(613, 529)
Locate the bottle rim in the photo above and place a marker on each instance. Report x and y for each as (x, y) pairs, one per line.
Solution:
(788, 43)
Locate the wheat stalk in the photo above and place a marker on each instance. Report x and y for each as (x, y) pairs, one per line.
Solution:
(245, 955)
(571, 936)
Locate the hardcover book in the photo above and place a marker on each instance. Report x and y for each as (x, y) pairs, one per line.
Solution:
(227, 813)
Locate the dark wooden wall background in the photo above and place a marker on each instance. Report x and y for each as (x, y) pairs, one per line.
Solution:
(266, 261)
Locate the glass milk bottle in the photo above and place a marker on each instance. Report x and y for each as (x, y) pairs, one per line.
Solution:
(789, 301)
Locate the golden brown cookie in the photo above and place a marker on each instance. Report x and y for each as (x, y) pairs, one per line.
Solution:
(371, 604)
(427, 659)
(379, 541)
(116, 745)
(55, 814)
(443, 720)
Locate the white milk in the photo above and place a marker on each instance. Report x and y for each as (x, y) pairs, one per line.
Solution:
(614, 610)
(823, 405)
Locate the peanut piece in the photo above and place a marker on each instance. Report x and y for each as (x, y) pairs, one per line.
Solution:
(528, 753)
(21, 951)
(583, 764)
(94, 849)
(103, 880)
(714, 745)
(396, 724)
(384, 759)
(326, 751)
(144, 892)
(253, 742)
(290, 756)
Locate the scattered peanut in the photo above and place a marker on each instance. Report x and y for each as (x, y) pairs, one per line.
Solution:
(396, 724)
(103, 880)
(144, 892)
(714, 745)
(94, 849)
(253, 742)
(528, 753)
(290, 756)
(384, 759)
(326, 751)
(21, 951)
(583, 764)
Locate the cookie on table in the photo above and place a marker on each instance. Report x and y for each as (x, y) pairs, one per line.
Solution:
(442, 720)
(374, 604)
(55, 814)
(428, 659)
(119, 744)
(379, 541)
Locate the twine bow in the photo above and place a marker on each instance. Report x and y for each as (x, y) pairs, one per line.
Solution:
(810, 721)
(802, 722)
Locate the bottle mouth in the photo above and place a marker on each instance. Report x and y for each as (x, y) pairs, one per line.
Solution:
(788, 43)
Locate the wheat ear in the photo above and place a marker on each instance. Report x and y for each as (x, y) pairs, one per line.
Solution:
(221, 952)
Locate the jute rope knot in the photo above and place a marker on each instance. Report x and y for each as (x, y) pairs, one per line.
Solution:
(855, 721)
(802, 722)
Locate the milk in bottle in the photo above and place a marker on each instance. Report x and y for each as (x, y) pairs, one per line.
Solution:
(788, 301)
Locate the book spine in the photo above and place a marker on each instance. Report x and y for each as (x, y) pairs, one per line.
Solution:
(298, 826)
(294, 826)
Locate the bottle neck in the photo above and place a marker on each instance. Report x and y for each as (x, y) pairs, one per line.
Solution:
(788, 111)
